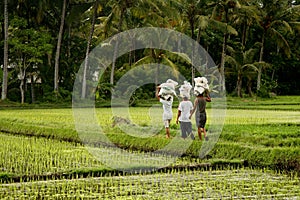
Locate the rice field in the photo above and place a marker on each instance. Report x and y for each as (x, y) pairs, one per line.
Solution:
(189, 184)
(257, 156)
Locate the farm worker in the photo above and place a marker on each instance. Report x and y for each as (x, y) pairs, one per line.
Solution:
(200, 116)
(183, 116)
(167, 101)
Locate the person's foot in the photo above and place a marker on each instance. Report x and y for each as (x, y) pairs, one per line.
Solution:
(192, 136)
(206, 138)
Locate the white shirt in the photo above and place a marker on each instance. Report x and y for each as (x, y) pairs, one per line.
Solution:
(167, 107)
(185, 107)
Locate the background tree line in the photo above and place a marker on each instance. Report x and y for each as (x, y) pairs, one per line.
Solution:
(43, 43)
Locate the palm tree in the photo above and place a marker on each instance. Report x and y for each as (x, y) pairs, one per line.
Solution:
(193, 12)
(58, 47)
(222, 9)
(150, 12)
(190, 10)
(244, 19)
(96, 8)
(159, 57)
(242, 63)
(5, 65)
(277, 20)
(119, 9)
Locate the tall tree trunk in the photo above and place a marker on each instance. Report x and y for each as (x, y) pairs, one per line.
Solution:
(86, 63)
(157, 74)
(113, 65)
(22, 88)
(244, 34)
(5, 66)
(239, 85)
(132, 56)
(179, 44)
(222, 64)
(157, 68)
(59, 40)
(193, 68)
(22, 91)
(194, 54)
(199, 35)
(192, 25)
(32, 83)
(69, 41)
(116, 49)
(259, 73)
(273, 74)
(249, 86)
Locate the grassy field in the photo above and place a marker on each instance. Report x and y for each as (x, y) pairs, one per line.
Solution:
(256, 156)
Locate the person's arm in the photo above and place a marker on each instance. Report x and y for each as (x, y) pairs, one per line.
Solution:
(208, 99)
(156, 93)
(194, 108)
(178, 115)
(191, 108)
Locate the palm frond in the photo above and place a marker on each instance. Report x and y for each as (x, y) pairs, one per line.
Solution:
(249, 55)
(295, 26)
(281, 42)
(230, 50)
(231, 61)
(172, 65)
(249, 67)
(183, 56)
(217, 24)
(286, 26)
(144, 60)
(203, 22)
(262, 64)
(231, 30)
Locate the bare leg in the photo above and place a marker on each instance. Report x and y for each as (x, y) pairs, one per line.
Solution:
(168, 130)
(204, 132)
(167, 127)
(167, 133)
(199, 133)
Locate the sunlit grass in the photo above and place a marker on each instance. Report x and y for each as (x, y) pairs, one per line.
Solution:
(244, 117)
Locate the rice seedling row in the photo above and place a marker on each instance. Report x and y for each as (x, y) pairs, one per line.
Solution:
(244, 130)
(253, 135)
(190, 184)
(29, 158)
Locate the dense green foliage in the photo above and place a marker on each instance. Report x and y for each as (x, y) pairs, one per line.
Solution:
(260, 39)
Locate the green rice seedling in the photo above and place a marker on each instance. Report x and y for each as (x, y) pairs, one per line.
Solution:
(266, 138)
(34, 157)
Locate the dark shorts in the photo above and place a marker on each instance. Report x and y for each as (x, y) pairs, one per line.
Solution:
(200, 120)
(186, 128)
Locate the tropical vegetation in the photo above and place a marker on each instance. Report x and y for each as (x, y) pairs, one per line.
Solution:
(43, 43)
